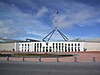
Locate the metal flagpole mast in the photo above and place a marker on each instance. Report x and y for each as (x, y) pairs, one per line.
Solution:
(48, 36)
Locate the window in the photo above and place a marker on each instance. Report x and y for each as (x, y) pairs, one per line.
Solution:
(72, 49)
(43, 49)
(65, 49)
(75, 44)
(46, 49)
(78, 44)
(53, 44)
(68, 49)
(65, 44)
(56, 43)
(59, 47)
(62, 48)
(40, 46)
(47, 44)
(71, 44)
(68, 44)
(50, 49)
(78, 48)
(22, 45)
(35, 47)
(59, 44)
(28, 50)
(13, 49)
(56, 46)
(35, 44)
(62, 44)
(75, 49)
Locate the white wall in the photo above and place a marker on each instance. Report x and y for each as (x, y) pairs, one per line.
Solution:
(7, 46)
(92, 46)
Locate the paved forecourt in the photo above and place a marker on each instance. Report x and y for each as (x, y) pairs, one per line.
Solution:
(52, 68)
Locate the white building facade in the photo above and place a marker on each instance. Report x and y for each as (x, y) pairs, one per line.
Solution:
(9, 46)
(51, 46)
(92, 46)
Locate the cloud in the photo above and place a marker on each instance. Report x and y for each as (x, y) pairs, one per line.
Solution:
(16, 24)
(29, 18)
(36, 33)
(76, 15)
(98, 20)
(5, 29)
(41, 11)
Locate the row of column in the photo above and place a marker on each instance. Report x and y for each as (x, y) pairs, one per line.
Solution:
(25, 47)
(57, 47)
(50, 47)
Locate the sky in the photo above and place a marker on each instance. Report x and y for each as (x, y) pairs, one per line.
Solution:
(20, 19)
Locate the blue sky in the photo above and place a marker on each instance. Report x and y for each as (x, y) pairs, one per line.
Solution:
(20, 19)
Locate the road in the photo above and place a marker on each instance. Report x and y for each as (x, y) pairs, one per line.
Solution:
(43, 68)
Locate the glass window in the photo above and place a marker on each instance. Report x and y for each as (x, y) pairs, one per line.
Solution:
(46, 49)
(59, 43)
(59, 47)
(43, 49)
(65, 48)
(53, 45)
(35, 48)
(78, 44)
(56, 44)
(68, 49)
(68, 44)
(28, 50)
(75, 49)
(78, 48)
(50, 49)
(62, 44)
(47, 44)
(72, 49)
(22, 44)
(65, 44)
